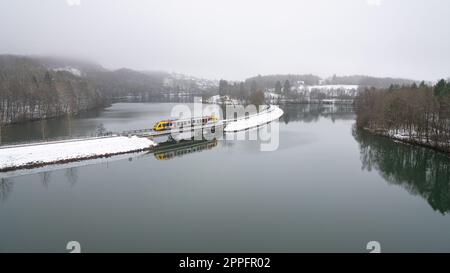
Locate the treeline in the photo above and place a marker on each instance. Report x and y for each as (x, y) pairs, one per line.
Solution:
(269, 81)
(419, 114)
(368, 81)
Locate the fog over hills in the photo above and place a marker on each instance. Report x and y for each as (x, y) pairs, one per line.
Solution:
(236, 39)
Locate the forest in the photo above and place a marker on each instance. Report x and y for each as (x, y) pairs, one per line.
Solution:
(415, 113)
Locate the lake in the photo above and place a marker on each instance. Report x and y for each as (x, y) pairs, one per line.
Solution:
(327, 188)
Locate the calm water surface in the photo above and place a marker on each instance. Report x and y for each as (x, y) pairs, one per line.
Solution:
(326, 188)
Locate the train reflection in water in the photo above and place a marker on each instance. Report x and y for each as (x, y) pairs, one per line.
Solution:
(171, 149)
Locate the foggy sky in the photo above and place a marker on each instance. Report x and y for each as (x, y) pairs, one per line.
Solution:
(235, 39)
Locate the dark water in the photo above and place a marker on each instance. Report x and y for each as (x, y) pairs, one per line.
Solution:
(326, 188)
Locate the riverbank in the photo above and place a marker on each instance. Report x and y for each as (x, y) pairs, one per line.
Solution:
(407, 140)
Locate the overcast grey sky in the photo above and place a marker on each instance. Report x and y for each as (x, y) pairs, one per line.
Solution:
(235, 39)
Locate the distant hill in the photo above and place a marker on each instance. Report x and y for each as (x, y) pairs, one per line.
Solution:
(111, 83)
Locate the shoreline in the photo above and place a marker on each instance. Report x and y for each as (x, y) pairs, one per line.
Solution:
(70, 160)
(60, 152)
(407, 141)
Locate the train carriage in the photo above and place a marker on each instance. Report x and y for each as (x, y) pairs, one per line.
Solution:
(183, 123)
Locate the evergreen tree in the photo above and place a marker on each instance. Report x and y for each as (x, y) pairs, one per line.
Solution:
(441, 88)
(223, 86)
(278, 87)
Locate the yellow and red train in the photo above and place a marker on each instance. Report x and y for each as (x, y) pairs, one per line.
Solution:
(183, 123)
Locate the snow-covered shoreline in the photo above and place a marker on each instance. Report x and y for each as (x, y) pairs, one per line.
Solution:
(22, 157)
(72, 164)
(403, 137)
(271, 114)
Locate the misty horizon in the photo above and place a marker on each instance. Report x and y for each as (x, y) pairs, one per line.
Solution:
(234, 41)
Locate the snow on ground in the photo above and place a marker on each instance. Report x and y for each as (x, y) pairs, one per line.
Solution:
(27, 156)
(74, 164)
(273, 113)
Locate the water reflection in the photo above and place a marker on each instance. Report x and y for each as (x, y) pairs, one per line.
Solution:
(418, 170)
(312, 112)
(45, 179)
(72, 176)
(5, 188)
(172, 149)
(48, 129)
